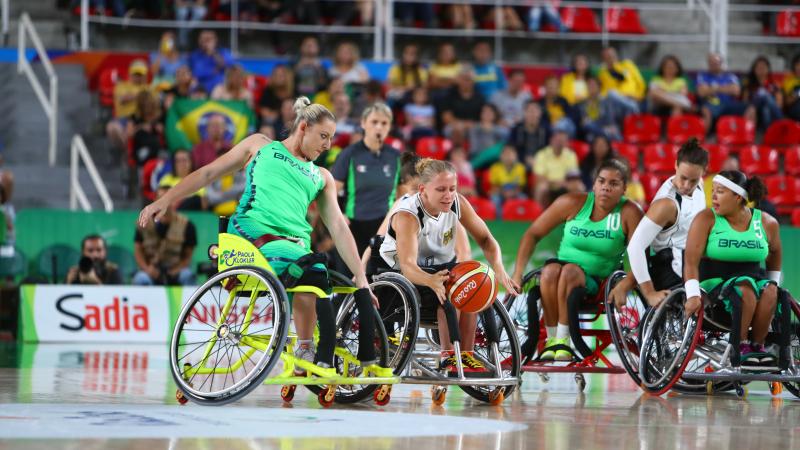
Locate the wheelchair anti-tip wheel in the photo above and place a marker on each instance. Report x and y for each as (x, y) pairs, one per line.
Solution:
(229, 335)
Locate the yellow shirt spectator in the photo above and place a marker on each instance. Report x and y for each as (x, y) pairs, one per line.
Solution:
(677, 85)
(500, 176)
(572, 89)
(396, 78)
(125, 94)
(554, 168)
(790, 83)
(632, 85)
(449, 71)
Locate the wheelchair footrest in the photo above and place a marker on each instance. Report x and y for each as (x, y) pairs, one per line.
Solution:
(567, 367)
(331, 380)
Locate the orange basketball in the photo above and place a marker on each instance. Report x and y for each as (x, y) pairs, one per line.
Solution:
(472, 286)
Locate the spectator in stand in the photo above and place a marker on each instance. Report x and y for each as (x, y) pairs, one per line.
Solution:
(462, 16)
(325, 98)
(346, 65)
(208, 63)
(600, 150)
(371, 93)
(183, 87)
(461, 107)
(247, 9)
(487, 134)
(465, 175)
(444, 71)
(489, 77)
(573, 85)
(507, 178)
(309, 75)
(181, 167)
(718, 92)
(367, 172)
(762, 92)
(596, 115)
(9, 214)
(530, 135)
(285, 119)
(125, 94)
(559, 112)
(215, 144)
(345, 124)
(669, 94)
(545, 11)
(791, 89)
(511, 17)
(410, 12)
(621, 84)
(145, 130)
(406, 75)
(224, 194)
(510, 102)
(163, 250)
(93, 267)
(234, 87)
(279, 88)
(420, 116)
(551, 165)
(164, 63)
(189, 11)
(358, 11)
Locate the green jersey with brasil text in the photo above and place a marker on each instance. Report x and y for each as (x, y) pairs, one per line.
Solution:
(596, 247)
(726, 244)
(278, 190)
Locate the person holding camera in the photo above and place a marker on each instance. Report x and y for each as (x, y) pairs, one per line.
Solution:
(163, 250)
(93, 268)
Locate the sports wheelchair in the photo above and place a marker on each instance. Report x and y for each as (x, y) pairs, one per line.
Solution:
(233, 330)
(701, 354)
(623, 330)
(408, 314)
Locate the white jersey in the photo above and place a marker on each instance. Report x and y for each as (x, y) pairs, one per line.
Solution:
(437, 234)
(675, 236)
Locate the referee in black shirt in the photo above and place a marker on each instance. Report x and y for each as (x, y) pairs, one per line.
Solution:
(367, 173)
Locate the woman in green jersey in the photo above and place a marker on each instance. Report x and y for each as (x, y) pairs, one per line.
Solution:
(597, 227)
(726, 248)
(282, 181)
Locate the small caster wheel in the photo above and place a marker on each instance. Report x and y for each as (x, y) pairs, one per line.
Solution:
(580, 381)
(326, 396)
(710, 387)
(287, 392)
(544, 377)
(741, 391)
(497, 396)
(382, 395)
(438, 395)
(776, 388)
(180, 397)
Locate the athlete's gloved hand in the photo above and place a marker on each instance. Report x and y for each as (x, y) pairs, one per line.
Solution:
(692, 305)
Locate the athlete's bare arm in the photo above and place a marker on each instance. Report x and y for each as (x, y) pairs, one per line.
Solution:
(406, 227)
(775, 257)
(695, 249)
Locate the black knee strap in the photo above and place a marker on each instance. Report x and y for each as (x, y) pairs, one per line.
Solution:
(366, 325)
(736, 322)
(327, 331)
(296, 269)
(452, 321)
(574, 300)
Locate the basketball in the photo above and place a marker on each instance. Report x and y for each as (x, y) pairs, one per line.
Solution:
(472, 286)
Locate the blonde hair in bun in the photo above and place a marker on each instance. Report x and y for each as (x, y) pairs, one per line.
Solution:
(310, 113)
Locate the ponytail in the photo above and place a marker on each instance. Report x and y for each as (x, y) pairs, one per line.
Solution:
(310, 113)
(756, 189)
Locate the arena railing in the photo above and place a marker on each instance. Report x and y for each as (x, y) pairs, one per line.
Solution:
(4, 21)
(79, 153)
(50, 104)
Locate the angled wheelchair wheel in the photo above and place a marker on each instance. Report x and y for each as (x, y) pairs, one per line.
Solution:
(668, 343)
(525, 320)
(400, 315)
(625, 326)
(502, 348)
(229, 335)
(794, 347)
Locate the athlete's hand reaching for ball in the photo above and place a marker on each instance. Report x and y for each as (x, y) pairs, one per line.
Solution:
(437, 282)
(152, 212)
(511, 285)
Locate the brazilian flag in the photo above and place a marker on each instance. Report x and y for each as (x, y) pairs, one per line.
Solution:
(187, 120)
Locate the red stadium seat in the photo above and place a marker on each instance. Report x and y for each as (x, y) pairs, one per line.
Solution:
(628, 151)
(782, 133)
(717, 154)
(580, 148)
(396, 143)
(660, 158)
(483, 207)
(796, 217)
(758, 160)
(642, 129)
(580, 20)
(434, 147)
(624, 20)
(784, 192)
(681, 128)
(521, 210)
(735, 130)
(107, 80)
(651, 182)
(791, 161)
(256, 84)
(788, 23)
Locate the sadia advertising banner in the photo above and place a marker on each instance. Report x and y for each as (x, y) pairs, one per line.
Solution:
(79, 313)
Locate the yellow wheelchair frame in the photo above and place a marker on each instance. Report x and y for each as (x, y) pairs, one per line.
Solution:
(232, 253)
